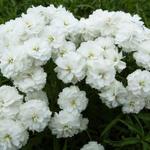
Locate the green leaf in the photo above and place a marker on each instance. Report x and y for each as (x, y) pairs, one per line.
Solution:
(110, 125)
(139, 124)
(146, 146)
(56, 145)
(144, 116)
(132, 127)
(124, 142)
(65, 145)
(147, 138)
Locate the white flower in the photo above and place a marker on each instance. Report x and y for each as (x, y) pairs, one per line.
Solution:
(47, 13)
(85, 31)
(12, 135)
(90, 50)
(33, 23)
(139, 83)
(100, 73)
(14, 61)
(102, 48)
(10, 101)
(114, 94)
(18, 33)
(133, 104)
(35, 115)
(71, 98)
(38, 49)
(66, 47)
(129, 36)
(53, 36)
(34, 79)
(92, 145)
(70, 68)
(63, 19)
(115, 57)
(37, 95)
(106, 21)
(110, 52)
(106, 43)
(142, 56)
(67, 124)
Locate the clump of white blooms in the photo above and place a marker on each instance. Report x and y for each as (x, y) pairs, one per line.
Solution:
(69, 120)
(35, 38)
(93, 50)
(17, 117)
(92, 145)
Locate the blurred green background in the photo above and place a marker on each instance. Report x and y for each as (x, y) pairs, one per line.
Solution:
(109, 127)
(11, 8)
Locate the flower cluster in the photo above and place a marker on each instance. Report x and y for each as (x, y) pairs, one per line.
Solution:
(28, 42)
(91, 49)
(103, 40)
(36, 39)
(18, 117)
(69, 121)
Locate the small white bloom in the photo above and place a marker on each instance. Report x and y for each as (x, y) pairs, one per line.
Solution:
(38, 49)
(100, 73)
(63, 49)
(129, 36)
(115, 57)
(70, 68)
(34, 79)
(13, 135)
(33, 23)
(10, 101)
(106, 43)
(90, 50)
(133, 104)
(139, 83)
(53, 36)
(46, 13)
(114, 94)
(67, 124)
(63, 19)
(71, 98)
(14, 61)
(35, 115)
(142, 56)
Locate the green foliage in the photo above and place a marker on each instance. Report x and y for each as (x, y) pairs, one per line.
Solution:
(81, 8)
(109, 127)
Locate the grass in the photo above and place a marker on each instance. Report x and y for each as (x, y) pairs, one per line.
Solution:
(109, 127)
(80, 8)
